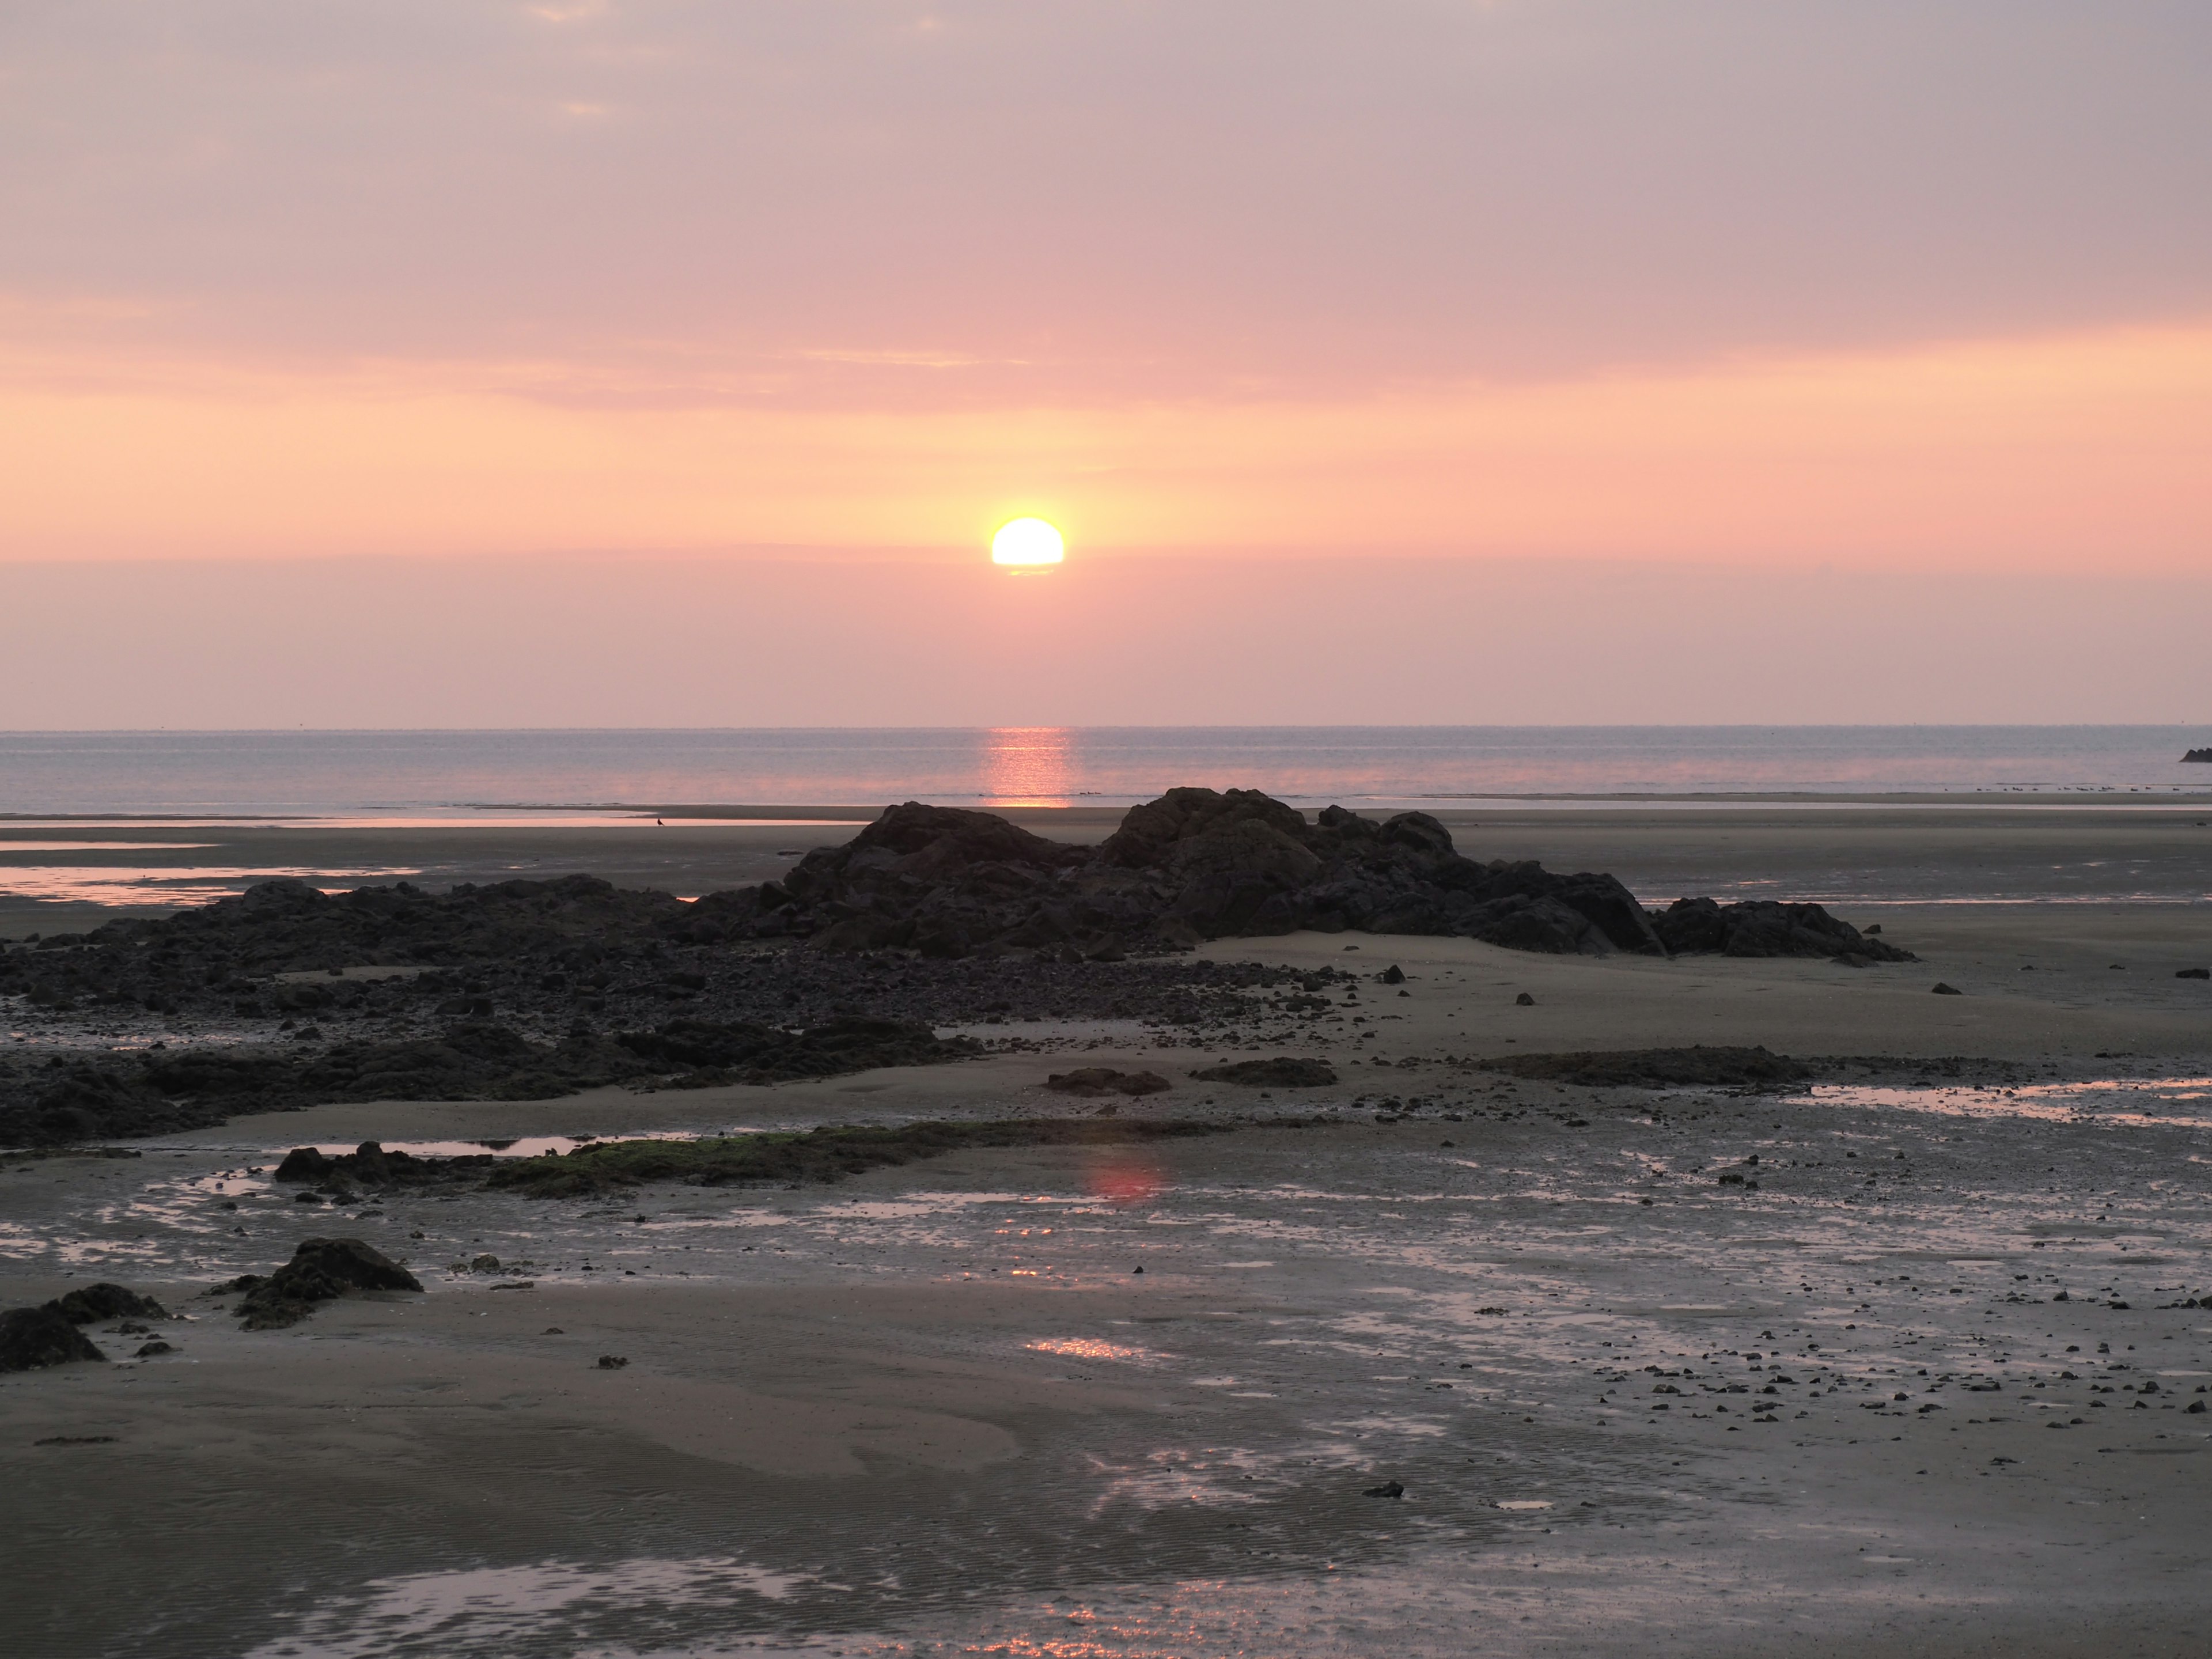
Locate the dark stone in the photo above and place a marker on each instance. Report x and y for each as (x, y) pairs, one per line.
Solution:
(746, 1052)
(1388, 1489)
(1660, 1068)
(612, 1361)
(1766, 927)
(1283, 1072)
(2197, 755)
(148, 1351)
(1092, 1081)
(320, 1270)
(32, 1338)
(89, 1302)
(2194, 973)
(1943, 990)
(1524, 1000)
(1393, 975)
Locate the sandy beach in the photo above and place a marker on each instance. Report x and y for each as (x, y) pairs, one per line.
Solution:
(1888, 1391)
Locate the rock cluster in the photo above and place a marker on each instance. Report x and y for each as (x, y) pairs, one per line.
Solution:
(1196, 864)
(32, 1338)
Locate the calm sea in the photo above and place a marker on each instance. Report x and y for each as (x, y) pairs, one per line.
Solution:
(463, 774)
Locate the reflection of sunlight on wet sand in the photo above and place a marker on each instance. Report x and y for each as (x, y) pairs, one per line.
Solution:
(103, 884)
(1027, 765)
(1087, 1347)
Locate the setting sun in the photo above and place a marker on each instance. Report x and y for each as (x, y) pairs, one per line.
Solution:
(1027, 541)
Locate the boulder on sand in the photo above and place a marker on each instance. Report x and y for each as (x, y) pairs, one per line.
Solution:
(1091, 1081)
(88, 1303)
(1283, 1072)
(32, 1338)
(320, 1270)
(1766, 927)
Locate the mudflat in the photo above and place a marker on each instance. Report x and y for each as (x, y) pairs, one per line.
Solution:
(1897, 1360)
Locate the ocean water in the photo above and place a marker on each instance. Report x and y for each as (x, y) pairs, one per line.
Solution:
(469, 773)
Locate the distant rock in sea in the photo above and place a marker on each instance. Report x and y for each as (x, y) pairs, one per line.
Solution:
(2204, 755)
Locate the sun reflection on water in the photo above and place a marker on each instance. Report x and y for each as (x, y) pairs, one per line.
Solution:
(1028, 766)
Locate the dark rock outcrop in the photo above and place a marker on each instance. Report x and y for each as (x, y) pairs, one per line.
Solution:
(1766, 928)
(1283, 1072)
(32, 1338)
(89, 1302)
(1660, 1068)
(320, 1270)
(1092, 1082)
(2204, 755)
(1195, 863)
(473, 1060)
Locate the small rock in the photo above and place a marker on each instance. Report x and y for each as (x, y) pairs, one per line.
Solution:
(486, 1263)
(1943, 990)
(2194, 973)
(1524, 1000)
(1388, 1489)
(1393, 975)
(553, 1330)
(612, 1361)
(147, 1351)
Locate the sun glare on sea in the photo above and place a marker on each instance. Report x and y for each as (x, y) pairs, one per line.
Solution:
(1028, 541)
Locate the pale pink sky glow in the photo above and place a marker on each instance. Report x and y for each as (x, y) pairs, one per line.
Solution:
(1852, 285)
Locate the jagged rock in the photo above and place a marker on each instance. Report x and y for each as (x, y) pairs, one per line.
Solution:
(1283, 1072)
(320, 1270)
(90, 1302)
(1092, 1081)
(1195, 864)
(32, 1338)
(1943, 990)
(2194, 973)
(1766, 928)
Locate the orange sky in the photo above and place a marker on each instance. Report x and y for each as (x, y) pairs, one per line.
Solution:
(2071, 451)
(1869, 286)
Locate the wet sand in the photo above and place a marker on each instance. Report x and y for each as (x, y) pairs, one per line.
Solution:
(936, 1409)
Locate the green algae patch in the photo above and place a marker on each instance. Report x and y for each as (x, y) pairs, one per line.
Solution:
(803, 1154)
